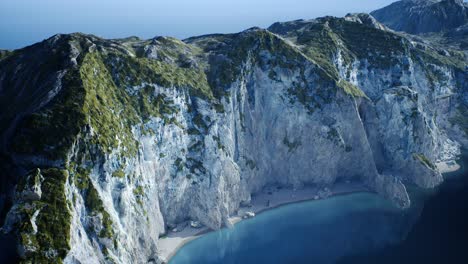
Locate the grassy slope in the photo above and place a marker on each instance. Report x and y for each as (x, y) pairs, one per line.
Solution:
(95, 94)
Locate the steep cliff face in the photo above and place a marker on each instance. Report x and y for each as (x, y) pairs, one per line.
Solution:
(423, 16)
(441, 22)
(110, 142)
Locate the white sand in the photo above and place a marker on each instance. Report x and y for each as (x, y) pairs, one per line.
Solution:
(447, 166)
(269, 198)
(169, 245)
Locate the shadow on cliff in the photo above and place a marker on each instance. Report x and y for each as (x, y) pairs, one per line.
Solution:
(441, 233)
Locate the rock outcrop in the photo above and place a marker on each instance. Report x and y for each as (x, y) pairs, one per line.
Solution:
(423, 16)
(108, 143)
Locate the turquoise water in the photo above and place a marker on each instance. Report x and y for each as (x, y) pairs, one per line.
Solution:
(349, 229)
(315, 231)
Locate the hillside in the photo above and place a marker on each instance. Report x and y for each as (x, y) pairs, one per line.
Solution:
(108, 144)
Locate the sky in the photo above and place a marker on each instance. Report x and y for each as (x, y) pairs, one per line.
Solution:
(24, 22)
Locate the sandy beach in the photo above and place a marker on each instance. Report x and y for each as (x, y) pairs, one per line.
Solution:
(448, 166)
(269, 198)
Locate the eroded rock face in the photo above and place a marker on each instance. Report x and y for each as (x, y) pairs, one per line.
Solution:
(137, 136)
(423, 16)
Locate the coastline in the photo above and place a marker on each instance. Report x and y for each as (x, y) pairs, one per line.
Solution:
(268, 199)
(448, 166)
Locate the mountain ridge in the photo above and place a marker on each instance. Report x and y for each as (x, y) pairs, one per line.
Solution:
(423, 16)
(116, 135)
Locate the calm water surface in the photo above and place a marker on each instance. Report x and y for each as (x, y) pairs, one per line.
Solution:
(441, 233)
(355, 228)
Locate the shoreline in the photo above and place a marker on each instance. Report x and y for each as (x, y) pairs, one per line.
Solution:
(268, 199)
(448, 166)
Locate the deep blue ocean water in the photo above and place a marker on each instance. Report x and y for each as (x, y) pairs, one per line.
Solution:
(441, 233)
(356, 228)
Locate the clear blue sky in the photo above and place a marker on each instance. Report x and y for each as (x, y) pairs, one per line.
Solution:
(23, 22)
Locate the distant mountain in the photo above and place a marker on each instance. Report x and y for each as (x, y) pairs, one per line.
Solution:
(423, 16)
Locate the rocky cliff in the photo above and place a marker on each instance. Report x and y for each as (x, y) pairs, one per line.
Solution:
(423, 16)
(108, 143)
(443, 23)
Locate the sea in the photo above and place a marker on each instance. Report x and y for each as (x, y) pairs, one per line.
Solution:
(356, 228)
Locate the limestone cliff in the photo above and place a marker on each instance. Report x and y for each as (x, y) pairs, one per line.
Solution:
(443, 23)
(108, 143)
(423, 16)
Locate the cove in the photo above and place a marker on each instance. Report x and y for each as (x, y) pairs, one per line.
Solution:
(319, 231)
(352, 228)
